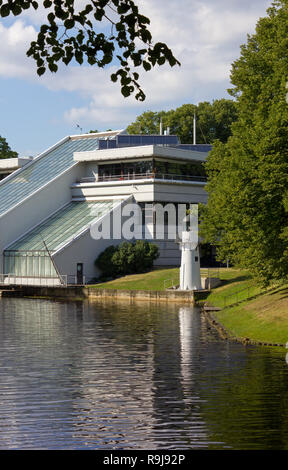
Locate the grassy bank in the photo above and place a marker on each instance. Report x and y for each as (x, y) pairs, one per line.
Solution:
(153, 280)
(249, 311)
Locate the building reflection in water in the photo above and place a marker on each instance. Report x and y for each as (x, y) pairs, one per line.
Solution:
(121, 376)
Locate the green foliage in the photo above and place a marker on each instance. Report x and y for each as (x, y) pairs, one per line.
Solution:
(103, 262)
(247, 215)
(214, 121)
(127, 258)
(5, 151)
(73, 34)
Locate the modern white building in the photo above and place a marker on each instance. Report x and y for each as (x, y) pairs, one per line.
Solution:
(48, 206)
(9, 165)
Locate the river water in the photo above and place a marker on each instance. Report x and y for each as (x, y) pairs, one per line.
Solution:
(78, 375)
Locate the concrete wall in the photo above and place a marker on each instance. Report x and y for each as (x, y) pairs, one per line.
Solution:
(169, 253)
(143, 151)
(141, 192)
(95, 294)
(181, 192)
(144, 191)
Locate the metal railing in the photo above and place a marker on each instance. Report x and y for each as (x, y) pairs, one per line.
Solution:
(73, 280)
(210, 272)
(40, 281)
(145, 175)
(242, 294)
(171, 283)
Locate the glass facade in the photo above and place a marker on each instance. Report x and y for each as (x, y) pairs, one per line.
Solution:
(157, 168)
(188, 169)
(125, 169)
(29, 264)
(31, 254)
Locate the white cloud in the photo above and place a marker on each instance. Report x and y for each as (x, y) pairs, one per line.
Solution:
(14, 42)
(204, 35)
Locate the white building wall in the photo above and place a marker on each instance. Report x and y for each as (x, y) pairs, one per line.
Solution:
(83, 250)
(144, 191)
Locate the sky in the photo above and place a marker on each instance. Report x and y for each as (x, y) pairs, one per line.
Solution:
(36, 112)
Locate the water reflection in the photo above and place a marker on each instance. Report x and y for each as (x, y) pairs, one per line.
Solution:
(78, 375)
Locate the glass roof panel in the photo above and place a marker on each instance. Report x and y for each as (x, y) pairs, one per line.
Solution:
(41, 171)
(63, 226)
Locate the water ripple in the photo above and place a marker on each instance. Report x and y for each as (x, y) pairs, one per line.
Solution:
(78, 375)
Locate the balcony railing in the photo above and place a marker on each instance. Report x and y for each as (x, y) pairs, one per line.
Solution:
(137, 176)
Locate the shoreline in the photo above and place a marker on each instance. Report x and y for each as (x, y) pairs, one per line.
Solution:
(90, 293)
(261, 318)
(228, 335)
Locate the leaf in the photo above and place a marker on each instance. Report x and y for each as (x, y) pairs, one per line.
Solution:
(161, 60)
(146, 65)
(53, 67)
(5, 10)
(51, 17)
(79, 57)
(126, 91)
(47, 3)
(69, 24)
(16, 10)
(41, 71)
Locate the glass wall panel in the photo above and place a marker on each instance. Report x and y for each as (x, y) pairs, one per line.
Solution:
(28, 256)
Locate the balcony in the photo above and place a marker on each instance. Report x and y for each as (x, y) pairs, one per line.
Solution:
(143, 176)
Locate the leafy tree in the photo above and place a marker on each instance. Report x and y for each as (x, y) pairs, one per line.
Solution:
(247, 211)
(5, 150)
(73, 33)
(214, 121)
(147, 123)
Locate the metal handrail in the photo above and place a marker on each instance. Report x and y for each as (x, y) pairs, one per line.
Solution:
(149, 175)
(172, 283)
(236, 293)
(46, 281)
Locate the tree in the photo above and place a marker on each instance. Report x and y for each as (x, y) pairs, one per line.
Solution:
(5, 150)
(247, 211)
(214, 121)
(71, 33)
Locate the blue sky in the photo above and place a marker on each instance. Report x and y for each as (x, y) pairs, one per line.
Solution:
(36, 112)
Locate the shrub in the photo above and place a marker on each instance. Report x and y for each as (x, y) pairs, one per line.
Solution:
(103, 262)
(127, 258)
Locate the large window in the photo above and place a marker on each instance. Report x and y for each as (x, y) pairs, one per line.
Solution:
(157, 168)
(127, 169)
(184, 170)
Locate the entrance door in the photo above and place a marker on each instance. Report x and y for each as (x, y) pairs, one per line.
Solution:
(79, 273)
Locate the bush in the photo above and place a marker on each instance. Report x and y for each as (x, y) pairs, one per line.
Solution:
(103, 262)
(127, 258)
